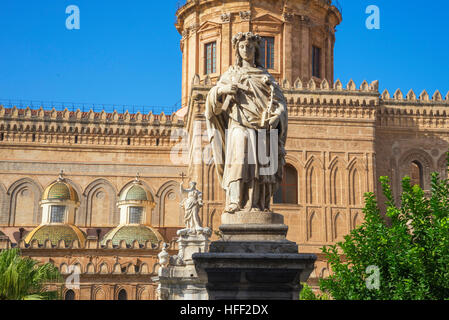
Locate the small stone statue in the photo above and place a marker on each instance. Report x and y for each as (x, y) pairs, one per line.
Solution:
(164, 256)
(192, 205)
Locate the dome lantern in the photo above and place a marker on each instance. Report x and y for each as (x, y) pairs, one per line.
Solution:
(59, 202)
(135, 204)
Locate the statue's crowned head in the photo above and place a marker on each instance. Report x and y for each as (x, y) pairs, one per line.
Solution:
(247, 47)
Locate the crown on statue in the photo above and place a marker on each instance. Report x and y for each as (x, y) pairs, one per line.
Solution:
(245, 36)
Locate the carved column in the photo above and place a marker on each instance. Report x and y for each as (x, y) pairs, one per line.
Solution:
(288, 47)
(191, 48)
(226, 41)
(305, 48)
(185, 64)
(328, 67)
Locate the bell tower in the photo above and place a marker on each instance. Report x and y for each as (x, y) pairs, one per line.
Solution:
(299, 37)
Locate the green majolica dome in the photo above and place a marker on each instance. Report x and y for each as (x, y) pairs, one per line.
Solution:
(136, 192)
(60, 191)
(131, 233)
(55, 233)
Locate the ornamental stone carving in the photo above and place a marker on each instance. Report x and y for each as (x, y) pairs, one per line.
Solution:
(226, 17)
(245, 15)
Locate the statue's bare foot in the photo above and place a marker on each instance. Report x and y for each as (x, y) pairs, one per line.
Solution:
(232, 208)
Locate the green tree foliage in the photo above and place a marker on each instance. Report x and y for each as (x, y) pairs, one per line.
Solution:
(410, 250)
(22, 279)
(308, 294)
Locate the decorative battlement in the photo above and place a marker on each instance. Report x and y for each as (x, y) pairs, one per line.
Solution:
(313, 85)
(90, 116)
(62, 127)
(411, 97)
(412, 112)
(101, 260)
(311, 99)
(318, 99)
(91, 244)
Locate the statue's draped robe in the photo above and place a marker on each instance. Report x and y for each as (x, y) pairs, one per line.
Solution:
(236, 157)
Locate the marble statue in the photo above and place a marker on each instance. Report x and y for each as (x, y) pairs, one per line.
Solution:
(164, 256)
(246, 116)
(192, 205)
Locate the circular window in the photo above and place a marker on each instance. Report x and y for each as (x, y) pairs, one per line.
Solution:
(171, 196)
(100, 195)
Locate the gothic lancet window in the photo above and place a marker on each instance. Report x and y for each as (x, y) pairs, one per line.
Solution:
(288, 190)
(316, 62)
(122, 295)
(211, 58)
(69, 295)
(267, 52)
(416, 174)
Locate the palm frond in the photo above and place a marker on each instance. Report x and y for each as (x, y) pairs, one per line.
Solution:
(22, 278)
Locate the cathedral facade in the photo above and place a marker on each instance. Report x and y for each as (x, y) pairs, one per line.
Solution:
(98, 193)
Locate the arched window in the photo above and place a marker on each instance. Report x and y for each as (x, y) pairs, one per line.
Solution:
(416, 174)
(211, 58)
(122, 295)
(267, 52)
(69, 295)
(288, 190)
(316, 62)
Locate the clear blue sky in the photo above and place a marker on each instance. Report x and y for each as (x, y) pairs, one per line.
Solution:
(127, 52)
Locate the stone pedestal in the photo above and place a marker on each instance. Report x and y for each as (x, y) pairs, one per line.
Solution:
(253, 260)
(177, 278)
